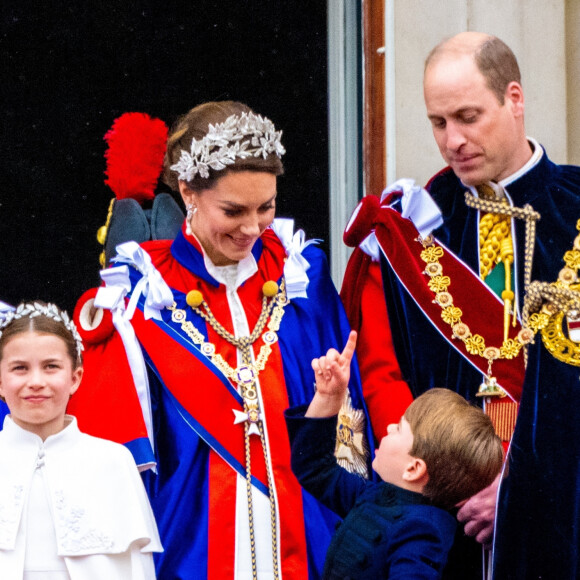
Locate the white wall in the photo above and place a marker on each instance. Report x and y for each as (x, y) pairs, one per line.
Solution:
(573, 77)
(536, 30)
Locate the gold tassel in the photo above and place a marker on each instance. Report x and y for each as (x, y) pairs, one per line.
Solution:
(507, 257)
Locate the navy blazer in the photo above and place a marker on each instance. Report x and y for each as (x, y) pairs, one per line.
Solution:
(387, 532)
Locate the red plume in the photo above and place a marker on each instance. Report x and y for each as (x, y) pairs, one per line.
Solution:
(135, 155)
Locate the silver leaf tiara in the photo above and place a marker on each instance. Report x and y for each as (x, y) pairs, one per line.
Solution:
(225, 141)
(33, 309)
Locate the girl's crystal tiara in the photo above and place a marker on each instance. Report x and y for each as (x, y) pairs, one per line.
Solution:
(33, 309)
(224, 142)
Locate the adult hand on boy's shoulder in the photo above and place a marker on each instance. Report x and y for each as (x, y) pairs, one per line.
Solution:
(478, 514)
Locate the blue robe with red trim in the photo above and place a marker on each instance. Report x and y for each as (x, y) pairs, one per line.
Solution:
(199, 452)
(538, 522)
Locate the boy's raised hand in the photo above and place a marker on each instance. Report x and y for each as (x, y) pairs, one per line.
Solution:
(332, 373)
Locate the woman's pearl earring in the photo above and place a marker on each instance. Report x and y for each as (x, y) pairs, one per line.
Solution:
(191, 211)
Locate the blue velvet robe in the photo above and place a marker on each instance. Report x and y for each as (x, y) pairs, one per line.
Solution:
(538, 522)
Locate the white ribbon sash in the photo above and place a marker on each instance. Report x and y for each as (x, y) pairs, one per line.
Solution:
(157, 294)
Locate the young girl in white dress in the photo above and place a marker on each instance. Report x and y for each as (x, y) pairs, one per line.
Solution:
(72, 507)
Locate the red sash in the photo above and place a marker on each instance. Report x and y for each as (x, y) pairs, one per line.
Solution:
(202, 393)
(482, 311)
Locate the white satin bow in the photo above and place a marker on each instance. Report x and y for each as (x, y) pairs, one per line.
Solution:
(417, 205)
(296, 265)
(157, 293)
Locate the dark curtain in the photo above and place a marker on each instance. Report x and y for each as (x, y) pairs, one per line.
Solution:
(70, 68)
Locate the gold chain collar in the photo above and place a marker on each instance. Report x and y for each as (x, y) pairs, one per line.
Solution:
(245, 376)
(527, 213)
(451, 314)
(545, 305)
(351, 450)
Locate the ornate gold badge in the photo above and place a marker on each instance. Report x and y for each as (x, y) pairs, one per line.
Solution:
(561, 343)
(351, 449)
(557, 309)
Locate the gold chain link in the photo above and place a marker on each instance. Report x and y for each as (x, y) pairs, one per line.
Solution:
(246, 378)
(526, 213)
(451, 314)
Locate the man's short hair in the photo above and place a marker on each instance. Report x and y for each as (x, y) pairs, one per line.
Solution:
(493, 58)
(499, 66)
(458, 443)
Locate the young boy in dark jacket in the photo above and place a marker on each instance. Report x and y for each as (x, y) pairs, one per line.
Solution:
(442, 451)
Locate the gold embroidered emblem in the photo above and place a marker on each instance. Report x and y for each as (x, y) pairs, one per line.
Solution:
(351, 450)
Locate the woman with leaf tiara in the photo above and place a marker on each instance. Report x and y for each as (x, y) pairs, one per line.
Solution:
(197, 346)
